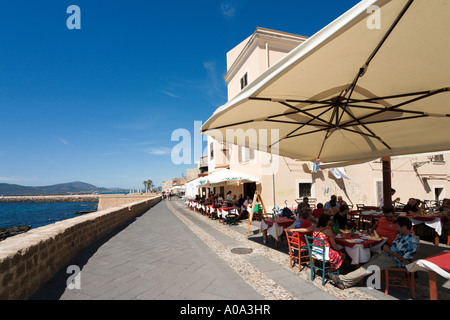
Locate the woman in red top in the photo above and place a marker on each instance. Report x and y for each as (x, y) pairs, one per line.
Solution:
(323, 231)
(385, 226)
(318, 212)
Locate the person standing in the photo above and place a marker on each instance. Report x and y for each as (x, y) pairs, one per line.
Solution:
(393, 201)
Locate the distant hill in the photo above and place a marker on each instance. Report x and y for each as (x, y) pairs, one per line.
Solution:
(7, 189)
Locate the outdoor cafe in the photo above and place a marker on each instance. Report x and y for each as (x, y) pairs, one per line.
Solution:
(358, 240)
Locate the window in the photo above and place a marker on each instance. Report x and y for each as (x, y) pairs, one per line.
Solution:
(246, 154)
(244, 81)
(211, 150)
(304, 190)
(437, 158)
(379, 192)
(228, 151)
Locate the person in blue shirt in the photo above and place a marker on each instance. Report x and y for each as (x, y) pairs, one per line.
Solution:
(402, 252)
(328, 205)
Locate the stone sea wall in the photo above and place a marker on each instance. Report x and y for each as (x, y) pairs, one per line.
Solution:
(52, 198)
(29, 259)
(107, 201)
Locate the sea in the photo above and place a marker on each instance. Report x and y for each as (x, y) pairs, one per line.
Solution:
(38, 214)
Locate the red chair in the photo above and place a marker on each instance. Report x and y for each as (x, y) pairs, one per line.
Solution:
(407, 276)
(295, 252)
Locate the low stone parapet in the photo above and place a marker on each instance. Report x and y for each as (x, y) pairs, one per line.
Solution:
(107, 201)
(30, 259)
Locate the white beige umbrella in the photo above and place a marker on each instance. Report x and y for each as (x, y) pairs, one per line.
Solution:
(366, 86)
(226, 175)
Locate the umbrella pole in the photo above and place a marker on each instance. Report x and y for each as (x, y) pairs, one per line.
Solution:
(387, 197)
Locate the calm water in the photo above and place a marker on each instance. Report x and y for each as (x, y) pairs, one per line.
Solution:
(38, 214)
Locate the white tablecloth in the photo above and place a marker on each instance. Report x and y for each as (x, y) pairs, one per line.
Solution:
(223, 213)
(275, 230)
(424, 265)
(359, 254)
(436, 224)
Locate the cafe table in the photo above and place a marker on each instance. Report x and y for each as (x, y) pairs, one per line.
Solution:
(434, 221)
(436, 264)
(211, 209)
(224, 211)
(275, 227)
(358, 247)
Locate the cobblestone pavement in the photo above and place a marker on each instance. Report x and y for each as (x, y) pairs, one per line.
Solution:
(172, 253)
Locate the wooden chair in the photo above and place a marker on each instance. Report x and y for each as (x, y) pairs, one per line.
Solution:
(230, 218)
(353, 219)
(448, 233)
(407, 277)
(318, 251)
(296, 253)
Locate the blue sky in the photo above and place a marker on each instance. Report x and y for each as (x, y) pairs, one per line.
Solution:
(99, 104)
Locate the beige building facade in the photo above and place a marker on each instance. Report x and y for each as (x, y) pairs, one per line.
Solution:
(285, 181)
(167, 185)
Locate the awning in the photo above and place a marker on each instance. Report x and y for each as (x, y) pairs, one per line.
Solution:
(226, 175)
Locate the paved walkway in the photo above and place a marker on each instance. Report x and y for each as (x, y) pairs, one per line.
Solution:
(172, 253)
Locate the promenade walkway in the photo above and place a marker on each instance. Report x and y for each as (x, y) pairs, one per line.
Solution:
(172, 253)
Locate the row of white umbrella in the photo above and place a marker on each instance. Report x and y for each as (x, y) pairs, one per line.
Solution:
(221, 176)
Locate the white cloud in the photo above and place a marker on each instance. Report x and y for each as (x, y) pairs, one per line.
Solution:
(159, 151)
(63, 141)
(170, 94)
(214, 82)
(228, 9)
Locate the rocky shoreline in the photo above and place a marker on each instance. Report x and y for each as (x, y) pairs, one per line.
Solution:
(12, 231)
(52, 198)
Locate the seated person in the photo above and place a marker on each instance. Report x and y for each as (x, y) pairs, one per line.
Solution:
(445, 207)
(411, 206)
(248, 204)
(302, 222)
(234, 201)
(340, 201)
(333, 208)
(385, 226)
(317, 212)
(323, 231)
(341, 217)
(303, 206)
(332, 198)
(402, 251)
(241, 200)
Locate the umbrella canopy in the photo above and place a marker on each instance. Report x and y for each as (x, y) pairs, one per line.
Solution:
(364, 87)
(226, 175)
(178, 188)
